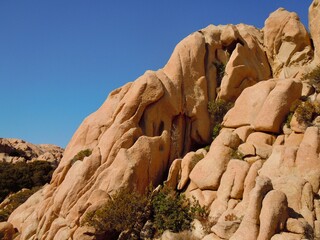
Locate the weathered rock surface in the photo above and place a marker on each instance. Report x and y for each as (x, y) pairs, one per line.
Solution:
(314, 18)
(287, 43)
(265, 105)
(259, 179)
(16, 150)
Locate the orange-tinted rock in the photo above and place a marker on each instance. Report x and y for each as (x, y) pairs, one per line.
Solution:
(287, 43)
(314, 18)
(264, 105)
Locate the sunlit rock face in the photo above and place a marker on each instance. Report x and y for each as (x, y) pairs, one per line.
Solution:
(161, 120)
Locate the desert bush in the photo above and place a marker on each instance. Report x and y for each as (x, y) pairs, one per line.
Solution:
(293, 108)
(307, 111)
(314, 78)
(15, 200)
(235, 154)
(118, 214)
(173, 211)
(167, 209)
(81, 155)
(217, 110)
(14, 177)
(221, 67)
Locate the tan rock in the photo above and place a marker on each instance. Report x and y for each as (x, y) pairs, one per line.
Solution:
(17, 150)
(260, 137)
(317, 229)
(6, 231)
(317, 208)
(249, 182)
(294, 139)
(247, 149)
(279, 140)
(252, 160)
(209, 197)
(247, 64)
(299, 226)
(314, 16)
(296, 126)
(198, 230)
(174, 174)
(286, 236)
(307, 160)
(231, 186)
(277, 106)
(207, 173)
(307, 89)
(244, 132)
(249, 226)
(211, 236)
(225, 229)
(274, 214)
(287, 43)
(140, 130)
(263, 150)
(187, 164)
(264, 105)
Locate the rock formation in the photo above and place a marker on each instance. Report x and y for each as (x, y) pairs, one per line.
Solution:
(17, 150)
(151, 130)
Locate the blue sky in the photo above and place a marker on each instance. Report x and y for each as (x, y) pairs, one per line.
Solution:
(59, 59)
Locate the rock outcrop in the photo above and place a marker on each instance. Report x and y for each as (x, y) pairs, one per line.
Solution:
(148, 131)
(16, 150)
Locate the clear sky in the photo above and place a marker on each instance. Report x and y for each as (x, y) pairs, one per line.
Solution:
(59, 59)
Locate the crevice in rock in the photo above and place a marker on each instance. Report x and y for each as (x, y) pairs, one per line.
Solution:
(232, 46)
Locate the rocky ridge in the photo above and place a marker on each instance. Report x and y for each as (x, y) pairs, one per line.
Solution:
(156, 124)
(16, 150)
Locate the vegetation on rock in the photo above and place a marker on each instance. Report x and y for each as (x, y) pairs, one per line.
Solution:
(14, 177)
(14, 201)
(119, 214)
(307, 111)
(314, 78)
(167, 209)
(81, 155)
(221, 67)
(217, 110)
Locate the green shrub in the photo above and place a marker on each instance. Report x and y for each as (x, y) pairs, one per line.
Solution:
(221, 67)
(14, 177)
(314, 78)
(81, 155)
(217, 110)
(119, 214)
(216, 130)
(173, 211)
(15, 200)
(167, 209)
(237, 155)
(293, 108)
(307, 111)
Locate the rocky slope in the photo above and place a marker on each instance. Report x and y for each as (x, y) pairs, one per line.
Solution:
(16, 150)
(149, 125)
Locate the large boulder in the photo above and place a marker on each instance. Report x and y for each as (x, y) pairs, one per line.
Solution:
(208, 172)
(265, 105)
(314, 20)
(287, 43)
